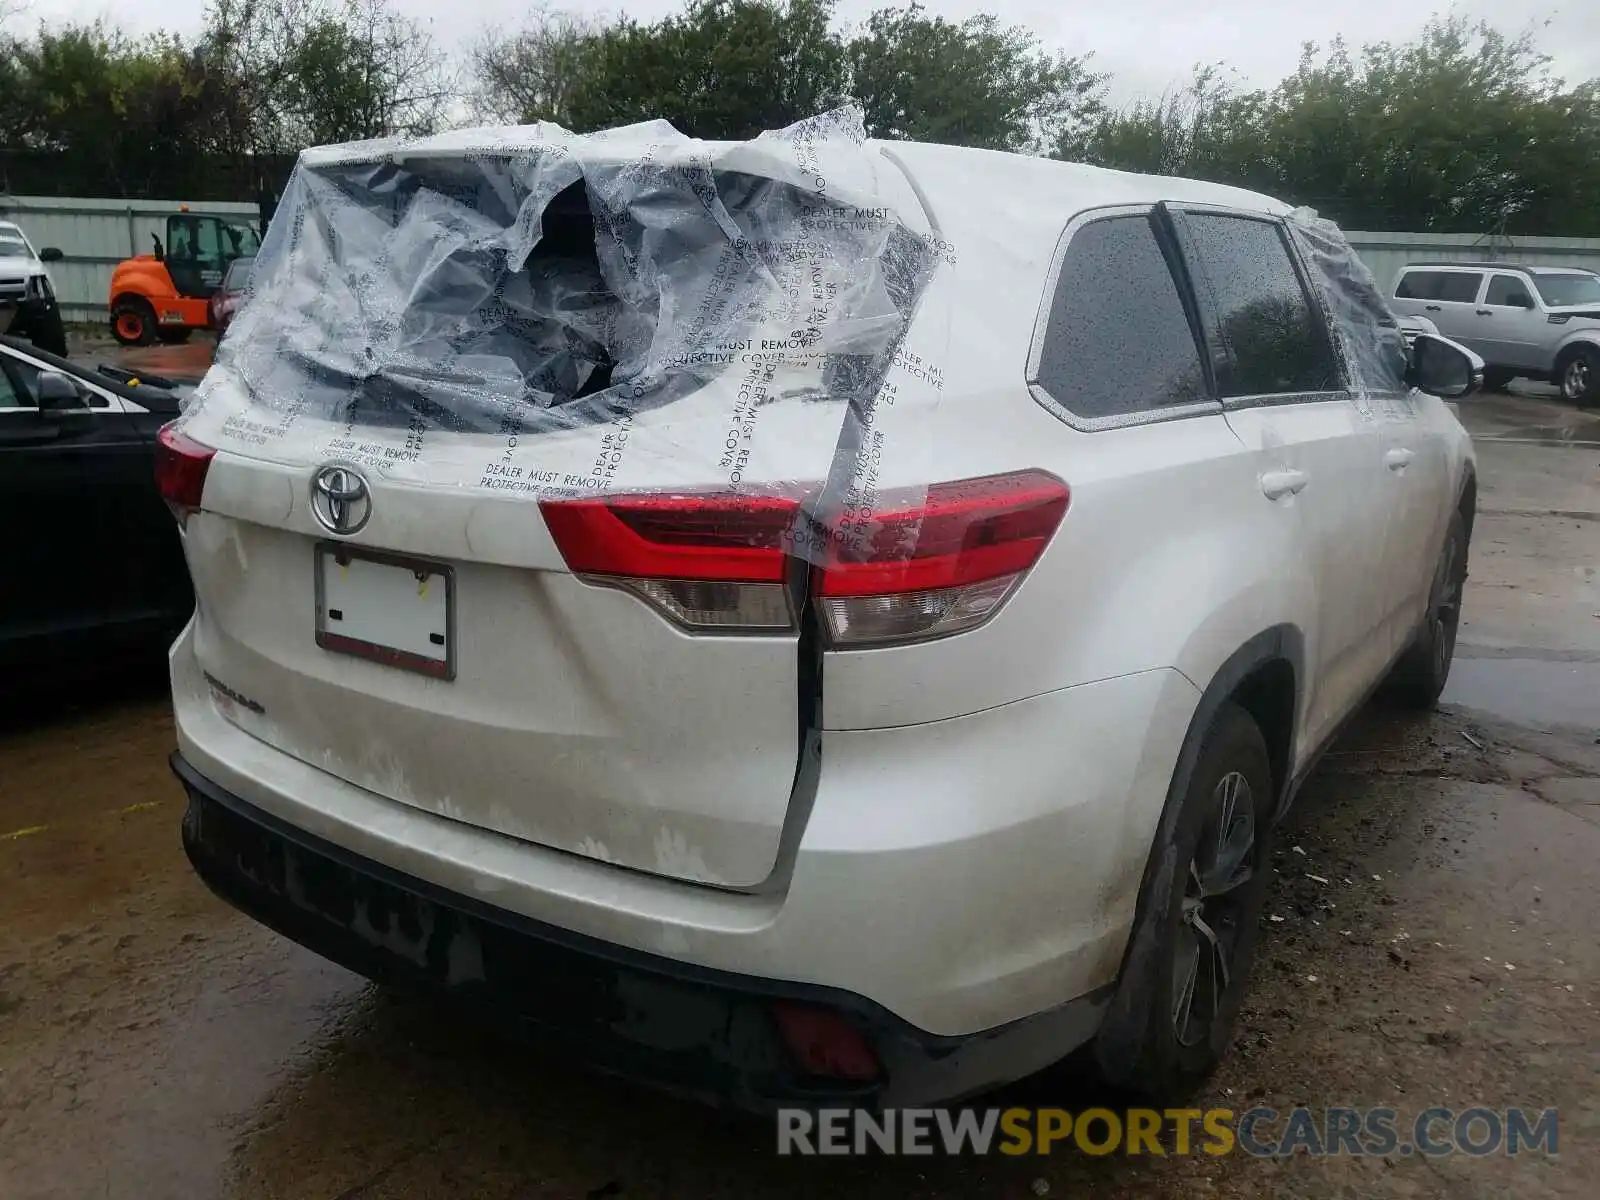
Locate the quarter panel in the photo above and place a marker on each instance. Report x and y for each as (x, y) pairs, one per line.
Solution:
(1169, 556)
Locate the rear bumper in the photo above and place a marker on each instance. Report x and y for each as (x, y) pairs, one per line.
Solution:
(706, 1034)
(965, 887)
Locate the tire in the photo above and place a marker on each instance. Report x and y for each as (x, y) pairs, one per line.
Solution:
(1578, 376)
(1171, 1019)
(174, 337)
(133, 322)
(1422, 671)
(43, 329)
(1496, 378)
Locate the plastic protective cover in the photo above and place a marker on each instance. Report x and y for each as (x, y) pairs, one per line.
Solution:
(633, 309)
(1366, 334)
(416, 307)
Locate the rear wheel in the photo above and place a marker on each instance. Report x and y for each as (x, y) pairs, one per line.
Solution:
(1579, 376)
(133, 322)
(46, 332)
(174, 337)
(1172, 1017)
(1420, 675)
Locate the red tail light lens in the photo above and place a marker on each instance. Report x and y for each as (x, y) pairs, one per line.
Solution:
(937, 563)
(711, 562)
(928, 563)
(668, 535)
(181, 466)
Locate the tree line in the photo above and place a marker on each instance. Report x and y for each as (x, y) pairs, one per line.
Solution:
(1463, 128)
(217, 116)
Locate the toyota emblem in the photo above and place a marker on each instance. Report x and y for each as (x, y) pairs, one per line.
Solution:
(340, 498)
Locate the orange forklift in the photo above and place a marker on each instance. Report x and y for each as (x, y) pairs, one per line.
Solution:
(164, 295)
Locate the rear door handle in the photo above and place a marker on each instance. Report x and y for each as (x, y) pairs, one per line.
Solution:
(1277, 484)
(1484, 312)
(1399, 458)
(1431, 307)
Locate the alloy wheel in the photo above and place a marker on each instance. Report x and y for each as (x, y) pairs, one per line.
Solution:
(1575, 380)
(1212, 919)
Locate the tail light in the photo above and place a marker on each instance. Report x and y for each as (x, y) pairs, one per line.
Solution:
(929, 563)
(936, 563)
(711, 562)
(181, 465)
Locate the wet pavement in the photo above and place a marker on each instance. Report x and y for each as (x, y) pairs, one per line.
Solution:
(1531, 691)
(1430, 940)
(1578, 430)
(184, 364)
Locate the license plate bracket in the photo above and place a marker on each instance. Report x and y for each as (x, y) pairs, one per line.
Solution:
(387, 608)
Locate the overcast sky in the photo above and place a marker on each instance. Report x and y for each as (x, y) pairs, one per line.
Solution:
(1146, 46)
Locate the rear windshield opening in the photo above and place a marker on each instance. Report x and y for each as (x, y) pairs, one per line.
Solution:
(565, 278)
(434, 292)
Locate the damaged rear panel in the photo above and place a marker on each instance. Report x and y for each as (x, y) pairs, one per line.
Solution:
(517, 436)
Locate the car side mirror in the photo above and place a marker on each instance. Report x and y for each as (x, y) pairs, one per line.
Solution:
(1520, 300)
(51, 254)
(58, 394)
(1443, 368)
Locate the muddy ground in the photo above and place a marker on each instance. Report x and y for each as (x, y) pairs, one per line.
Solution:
(1432, 941)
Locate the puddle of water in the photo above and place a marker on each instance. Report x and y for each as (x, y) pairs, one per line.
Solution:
(1528, 691)
(1584, 433)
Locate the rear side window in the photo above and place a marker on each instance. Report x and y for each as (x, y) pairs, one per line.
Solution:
(1418, 285)
(1456, 287)
(1118, 342)
(1264, 336)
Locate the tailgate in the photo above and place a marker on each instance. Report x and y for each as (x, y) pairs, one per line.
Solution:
(578, 717)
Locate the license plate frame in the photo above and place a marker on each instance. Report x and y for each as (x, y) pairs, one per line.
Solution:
(339, 554)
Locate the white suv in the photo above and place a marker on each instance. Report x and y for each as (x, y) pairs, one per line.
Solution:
(807, 617)
(1534, 322)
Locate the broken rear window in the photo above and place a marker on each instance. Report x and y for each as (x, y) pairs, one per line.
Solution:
(560, 282)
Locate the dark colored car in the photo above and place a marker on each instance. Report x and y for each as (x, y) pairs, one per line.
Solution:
(225, 301)
(94, 574)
